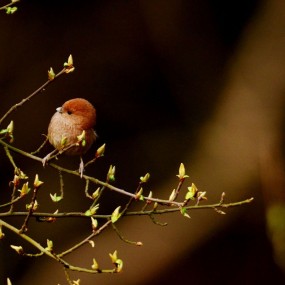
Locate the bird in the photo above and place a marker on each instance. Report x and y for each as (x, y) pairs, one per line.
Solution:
(71, 131)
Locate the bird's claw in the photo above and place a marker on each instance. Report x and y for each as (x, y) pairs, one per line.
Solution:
(81, 167)
(48, 157)
(45, 160)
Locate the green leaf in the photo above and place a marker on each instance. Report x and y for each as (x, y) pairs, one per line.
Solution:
(96, 193)
(95, 265)
(55, 198)
(37, 182)
(116, 215)
(145, 178)
(119, 265)
(181, 173)
(49, 245)
(94, 223)
(192, 192)
(69, 67)
(111, 173)
(139, 195)
(18, 249)
(51, 74)
(114, 256)
(25, 189)
(92, 211)
(100, 151)
(11, 10)
(183, 211)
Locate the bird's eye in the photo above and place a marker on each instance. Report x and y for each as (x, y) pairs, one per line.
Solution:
(69, 112)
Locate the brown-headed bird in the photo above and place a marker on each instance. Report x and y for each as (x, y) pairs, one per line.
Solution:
(71, 129)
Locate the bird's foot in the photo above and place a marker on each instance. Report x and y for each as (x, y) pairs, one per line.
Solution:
(48, 157)
(81, 167)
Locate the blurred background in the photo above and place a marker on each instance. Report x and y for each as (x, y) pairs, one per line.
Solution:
(199, 82)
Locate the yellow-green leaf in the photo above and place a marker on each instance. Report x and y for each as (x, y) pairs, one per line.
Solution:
(116, 215)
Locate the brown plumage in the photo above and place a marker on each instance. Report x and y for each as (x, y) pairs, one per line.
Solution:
(70, 120)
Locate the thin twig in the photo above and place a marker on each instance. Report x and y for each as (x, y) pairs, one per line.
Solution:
(52, 255)
(31, 210)
(61, 184)
(137, 243)
(90, 162)
(131, 213)
(86, 189)
(28, 239)
(178, 188)
(87, 239)
(39, 90)
(9, 5)
(10, 157)
(13, 201)
(92, 179)
(41, 146)
(151, 215)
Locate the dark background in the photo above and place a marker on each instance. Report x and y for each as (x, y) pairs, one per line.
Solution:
(155, 71)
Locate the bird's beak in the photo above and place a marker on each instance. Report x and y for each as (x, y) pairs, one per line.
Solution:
(59, 109)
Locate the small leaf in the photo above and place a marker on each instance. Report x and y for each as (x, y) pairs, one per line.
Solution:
(8, 132)
(55, 198)
(181, 173)
(92, 243)
(172, 195)
(119, 265)
(149, 197)
(139, 195)
(94, 223)
(95, 264)
(183, 211)
(37, 182)
(76, 282)
(69, 65)
(18, 249)
(49, 245)
(192, 192)
(116, 215)
(34, 205)
(82, 138)
(51, 74)
(25, 189)
(96, 193)
(114, 256)
(70, 60)
(111, 173)
(21, 174)
(92, 211)
(145, 178)
(100, 151)
(11, 10)
(117, 261)
(2, 235)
